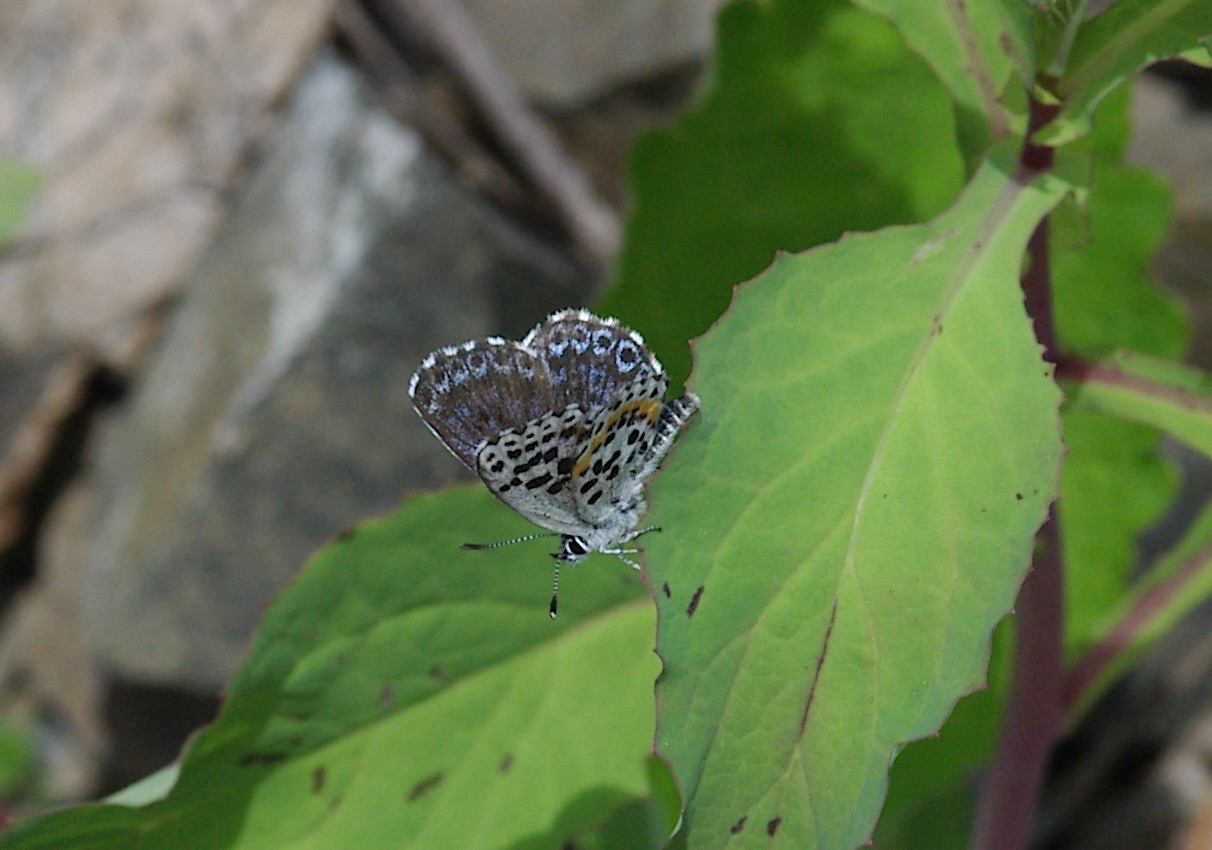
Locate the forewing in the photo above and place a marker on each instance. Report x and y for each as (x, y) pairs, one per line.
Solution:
(591, 361)
(530, 469)
(469, 394)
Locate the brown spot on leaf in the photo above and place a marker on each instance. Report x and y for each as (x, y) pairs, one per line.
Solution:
(1018, 496)
(387, 696)
(317, 780)
(694, 602)
(424, 787)
(816, 676)
(773, 826)
(665, 589)
(738, 826)
(347, 533)
(506, 763)
(435, 672)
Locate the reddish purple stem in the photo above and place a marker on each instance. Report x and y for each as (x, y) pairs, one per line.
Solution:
(1006, 811)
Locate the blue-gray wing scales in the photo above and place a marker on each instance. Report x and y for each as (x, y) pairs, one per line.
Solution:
(464, 410)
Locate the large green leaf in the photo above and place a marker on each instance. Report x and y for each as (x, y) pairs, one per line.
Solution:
(933, 783)
(1114, 480)
(1115, 485)
(1114, 45)
(817, 120)
(855, 510)
(404, 693)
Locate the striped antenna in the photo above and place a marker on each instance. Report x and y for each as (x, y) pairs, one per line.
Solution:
(481, 546)
(555, 591)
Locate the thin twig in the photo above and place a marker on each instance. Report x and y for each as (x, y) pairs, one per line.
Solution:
(411, 102)
(593, 225)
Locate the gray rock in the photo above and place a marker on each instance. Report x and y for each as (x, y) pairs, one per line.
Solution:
(276, 412)
(136, 114)
(582, 48)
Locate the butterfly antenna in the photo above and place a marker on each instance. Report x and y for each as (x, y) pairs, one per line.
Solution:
(555, 590)
(481, 546)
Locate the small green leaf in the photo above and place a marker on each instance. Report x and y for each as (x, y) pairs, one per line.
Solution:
(1198, 55)
(1178, 584)
(405, 693)
(149, 789)
(1174, 398)
(879, 442)
(1114, 45)
(1104, 298)
(981, 52)
(1115, 484)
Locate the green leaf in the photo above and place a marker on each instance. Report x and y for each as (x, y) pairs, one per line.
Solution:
(789, 149)
(405, 693)
(983, 53)
(1174, 398)
(941, 770)
(1166, 396)
(1177, 585)
(1115, 484)
(1198, 55)
(1113, 46)
(149, 789)
(939, 821)
(1104, 298)
(879, 442)
(17, 185)
(17, 760)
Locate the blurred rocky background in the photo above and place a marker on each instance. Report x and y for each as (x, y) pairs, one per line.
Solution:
(254, 217)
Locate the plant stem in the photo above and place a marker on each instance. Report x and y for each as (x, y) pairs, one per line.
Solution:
(1005, 813)
(1034, 719)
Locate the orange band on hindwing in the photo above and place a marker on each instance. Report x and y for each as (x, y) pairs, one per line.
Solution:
(648, 407)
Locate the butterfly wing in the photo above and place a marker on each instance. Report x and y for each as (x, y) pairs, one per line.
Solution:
(564, 427)
(471, 393)
(591, 361)
(607, 481)
(530, 469)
